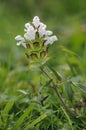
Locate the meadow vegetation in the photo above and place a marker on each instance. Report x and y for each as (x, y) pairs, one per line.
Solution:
(29, 100)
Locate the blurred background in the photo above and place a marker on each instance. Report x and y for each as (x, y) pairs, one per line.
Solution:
(66, 18)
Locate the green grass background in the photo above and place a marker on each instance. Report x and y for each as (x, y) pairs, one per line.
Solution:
(67, 19)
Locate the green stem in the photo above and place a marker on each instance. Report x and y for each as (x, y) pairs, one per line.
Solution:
(57, 92)
(42, 69)
(62, 101)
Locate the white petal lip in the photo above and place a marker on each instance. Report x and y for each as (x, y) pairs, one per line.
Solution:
(21, 43)
(18, 43)
(19, 38)
(54, 38)
(50, 40)
(48, 33)
(27, 25)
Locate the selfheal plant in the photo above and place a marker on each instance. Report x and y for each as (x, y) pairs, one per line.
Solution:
(36, 41)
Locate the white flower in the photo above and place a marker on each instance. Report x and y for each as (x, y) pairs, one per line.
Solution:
(41, 32)
(30, 32)
(21, 41)
(28, 27)
(30, 35)
(47, 33)
(42, 29)
(50, 40)
(36, 21)
(42, 25)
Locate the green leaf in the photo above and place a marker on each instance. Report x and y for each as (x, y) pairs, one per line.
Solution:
(68, 51)
(69, 91)
(32, 125)
(68, 118)
(6, 110)
(48, 83)
(81, 86)
(1, 121)
(57, 74)
(22, 118)
(22, 91)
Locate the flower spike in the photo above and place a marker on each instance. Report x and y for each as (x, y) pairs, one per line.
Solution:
(36, 40)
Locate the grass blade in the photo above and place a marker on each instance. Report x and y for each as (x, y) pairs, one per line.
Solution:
(32, 125)
(6, 110)
(22, 118)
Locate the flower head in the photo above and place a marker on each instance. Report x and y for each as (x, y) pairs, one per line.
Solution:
(36, 39)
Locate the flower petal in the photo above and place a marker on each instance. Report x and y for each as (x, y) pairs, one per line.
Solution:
(19, 38)
(50, 40)
(48, 33)
(36, 21)
(29, 35)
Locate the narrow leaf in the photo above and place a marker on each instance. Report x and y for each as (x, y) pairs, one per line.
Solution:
(68, 118)
(22, 118)
(7, 109)
(68, 51)
(69, 91)
(57, 74)
(32, 125)
(82, 87)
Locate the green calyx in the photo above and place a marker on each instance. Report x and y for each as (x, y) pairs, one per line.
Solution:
(36, 52)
